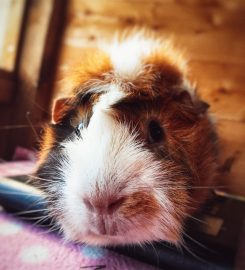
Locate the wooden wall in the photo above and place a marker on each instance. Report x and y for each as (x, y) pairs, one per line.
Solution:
(27, 70)
(212, 33)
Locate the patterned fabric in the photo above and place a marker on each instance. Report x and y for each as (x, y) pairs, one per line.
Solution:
(15, 168)
(24, 247)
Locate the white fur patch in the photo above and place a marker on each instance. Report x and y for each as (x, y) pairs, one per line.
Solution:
(106, 148)
(108, 160)
(127, 55)
(112, 96)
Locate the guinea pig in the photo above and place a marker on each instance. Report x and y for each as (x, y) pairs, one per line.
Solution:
(129, 148)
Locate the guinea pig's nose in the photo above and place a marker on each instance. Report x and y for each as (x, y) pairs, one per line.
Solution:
(107, 205)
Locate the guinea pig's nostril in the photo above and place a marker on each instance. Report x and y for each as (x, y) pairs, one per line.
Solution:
(113, 205)
(108, 206)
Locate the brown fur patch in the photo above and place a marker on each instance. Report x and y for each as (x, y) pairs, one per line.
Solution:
(188, 151)
(94, 66)
(161, 70)
(140, 203)
(167, 73)
(46, 144)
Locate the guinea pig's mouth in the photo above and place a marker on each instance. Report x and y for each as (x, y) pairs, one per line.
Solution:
(106, 231)
(96, 239)
(129, 235)
(104, 240)
(135, 220)
(133, 237)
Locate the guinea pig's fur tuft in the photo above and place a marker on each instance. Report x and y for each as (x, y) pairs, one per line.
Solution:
(129, 146)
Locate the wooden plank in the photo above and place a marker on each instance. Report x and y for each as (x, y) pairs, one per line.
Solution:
(232, 149)
(37, 68)
(7, 86)
(30, 59)
(9, 48)
(175, 13)
(209, 31)
(219, 46)
(31, 55)
(6, 113)
(222, 86)
(49, 61)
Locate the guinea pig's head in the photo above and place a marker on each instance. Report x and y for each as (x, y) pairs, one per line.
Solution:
(129, 147)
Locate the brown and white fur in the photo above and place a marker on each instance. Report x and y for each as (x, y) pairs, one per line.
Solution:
(109, 182)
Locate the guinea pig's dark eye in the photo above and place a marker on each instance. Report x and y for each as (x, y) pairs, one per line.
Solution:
(78, 129)
(155, 131)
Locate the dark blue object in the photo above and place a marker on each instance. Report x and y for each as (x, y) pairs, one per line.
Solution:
(22, 199)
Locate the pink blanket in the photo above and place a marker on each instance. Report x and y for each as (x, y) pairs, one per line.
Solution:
(23, 247)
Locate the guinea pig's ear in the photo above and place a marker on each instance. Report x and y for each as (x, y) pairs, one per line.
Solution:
(60, 107)
(201, 107)
(184, 97)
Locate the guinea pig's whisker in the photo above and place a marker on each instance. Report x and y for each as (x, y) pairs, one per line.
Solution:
(169, 245)
(194, 187)
(40, 107)
(208, 187)
(7, 127)
(60, 231)
(180, 249)
(44, 185)
(39, 219)
(192, 253)
(155, 251)
(54, 210)
(195, 218)
(40, 178)
(43, 226)
(41, 201)
(31, 125)
(31, 211)
(46, 227)
(197, 242)
(20, 193)
(53, 228)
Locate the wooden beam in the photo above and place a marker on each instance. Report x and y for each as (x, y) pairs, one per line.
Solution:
(36, 68)
(232, 155)
(12, 13)
(7, 86)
